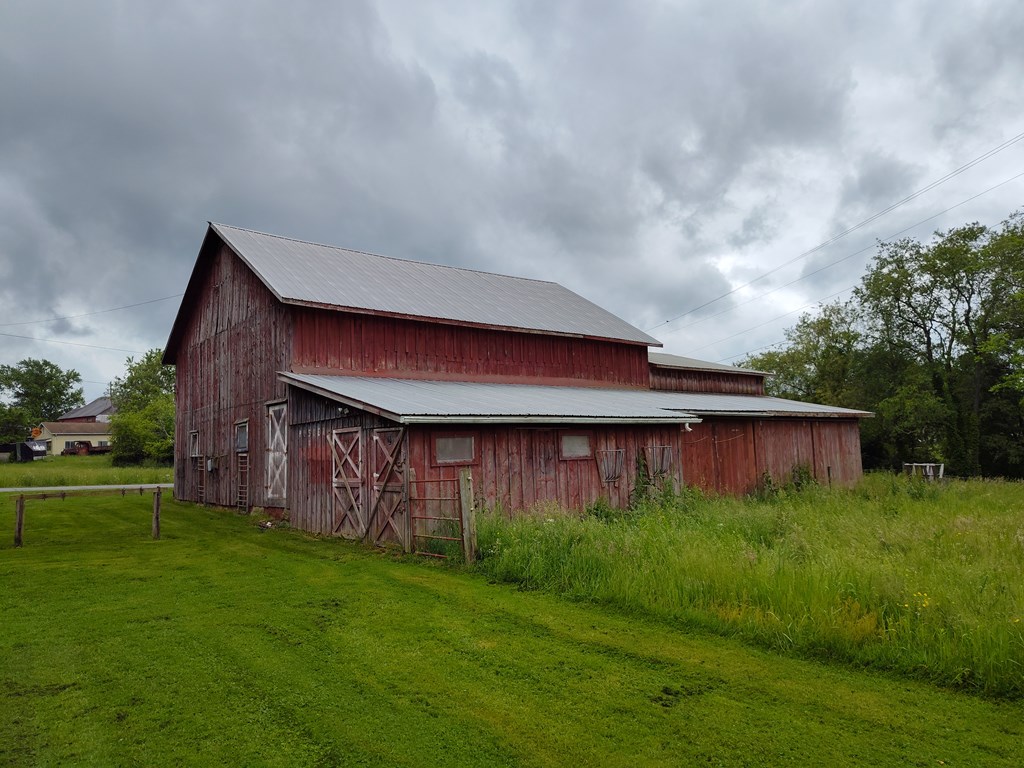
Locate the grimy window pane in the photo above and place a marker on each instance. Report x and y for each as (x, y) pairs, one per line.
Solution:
(455, 449)
(575, 446)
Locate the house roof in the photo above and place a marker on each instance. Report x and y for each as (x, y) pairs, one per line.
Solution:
(665, 360)
(310, 274)
(97, 407)
(76, 427)
(417, 401)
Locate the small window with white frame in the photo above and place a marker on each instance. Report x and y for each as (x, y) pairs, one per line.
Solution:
(242, 437)
(193, 444)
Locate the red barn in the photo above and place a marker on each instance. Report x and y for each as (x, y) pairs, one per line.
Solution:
(350, 389)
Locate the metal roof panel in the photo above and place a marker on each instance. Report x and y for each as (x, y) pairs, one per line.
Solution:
(308, 273)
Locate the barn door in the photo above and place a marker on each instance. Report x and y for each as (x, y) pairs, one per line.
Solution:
(389, 511)
(348, 511)
(277, 454)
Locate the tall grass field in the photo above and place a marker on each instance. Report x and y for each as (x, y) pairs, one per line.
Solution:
(926, 580)
(78, 470)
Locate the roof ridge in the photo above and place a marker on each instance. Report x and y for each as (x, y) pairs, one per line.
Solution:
(391, 258)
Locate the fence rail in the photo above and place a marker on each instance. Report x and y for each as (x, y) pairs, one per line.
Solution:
(21, 498)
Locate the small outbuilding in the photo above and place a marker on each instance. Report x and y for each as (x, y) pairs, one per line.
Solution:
(349, 390)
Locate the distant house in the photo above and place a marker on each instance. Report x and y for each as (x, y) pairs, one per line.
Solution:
(57, 434)
(349, 390)
(99, 410)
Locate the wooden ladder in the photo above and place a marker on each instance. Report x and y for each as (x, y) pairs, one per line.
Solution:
(242, 493)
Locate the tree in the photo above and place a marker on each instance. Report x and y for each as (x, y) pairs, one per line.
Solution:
(15, 424)
(143, 425)
(39, 390)
(145, 380)
(819, 363)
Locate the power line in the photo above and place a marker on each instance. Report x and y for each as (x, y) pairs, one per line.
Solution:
(890, 237)
(952, 174)
(779, 317)
(845, 258)
(89, 314)
(73, 343)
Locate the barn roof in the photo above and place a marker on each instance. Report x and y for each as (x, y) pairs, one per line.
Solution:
(97, 407)
(693, 364)
(299, 272)
(417, 401)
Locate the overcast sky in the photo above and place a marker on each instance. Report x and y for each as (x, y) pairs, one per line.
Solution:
(652, 156)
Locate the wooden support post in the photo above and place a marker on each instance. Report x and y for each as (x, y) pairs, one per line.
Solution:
(156, 514)
(468, 515)
(19, 520)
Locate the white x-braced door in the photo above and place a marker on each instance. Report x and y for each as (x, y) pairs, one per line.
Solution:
(277, 454)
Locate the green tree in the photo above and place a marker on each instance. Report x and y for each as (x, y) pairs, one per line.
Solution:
(39, 390)
(820, 359)
(15, 424)
(143, 426)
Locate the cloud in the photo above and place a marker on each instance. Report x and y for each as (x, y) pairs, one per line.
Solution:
(649, 157)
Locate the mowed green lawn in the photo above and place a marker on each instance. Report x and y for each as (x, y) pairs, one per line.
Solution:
(224, 643)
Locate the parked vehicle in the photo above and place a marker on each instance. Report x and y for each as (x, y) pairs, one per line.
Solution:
(83, 448)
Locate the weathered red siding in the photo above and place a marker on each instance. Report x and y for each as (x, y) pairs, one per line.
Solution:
(679, 380)
(236, 339)
(732, 455)
(521, 466)
(386, 346)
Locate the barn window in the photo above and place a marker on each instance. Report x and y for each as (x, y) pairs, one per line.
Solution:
(242, 437)
(193, 443)
(455, 449)
(574, 446)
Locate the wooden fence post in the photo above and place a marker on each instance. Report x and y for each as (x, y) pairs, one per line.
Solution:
(19, 520)
(156, 514)
(468, 515)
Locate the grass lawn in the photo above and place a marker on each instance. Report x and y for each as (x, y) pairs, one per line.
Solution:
(78, 470)
(224, 643)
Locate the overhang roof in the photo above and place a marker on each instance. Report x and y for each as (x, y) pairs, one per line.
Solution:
(707, 404)
(417, 401)
(458, 402)
(666, 360)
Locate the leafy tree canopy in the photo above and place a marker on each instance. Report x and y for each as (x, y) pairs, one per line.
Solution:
(143, 426)
(933, 343)
(38, 390)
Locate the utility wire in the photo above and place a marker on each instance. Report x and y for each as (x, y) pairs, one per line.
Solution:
(73, 343)
(890, 237)
(89, 314)
(845, 258)
(952, 174)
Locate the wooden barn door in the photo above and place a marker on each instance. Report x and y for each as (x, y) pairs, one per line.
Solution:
(277, 455)
(389, 507)
(348, 508)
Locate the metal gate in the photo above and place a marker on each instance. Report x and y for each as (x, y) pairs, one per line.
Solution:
(348, 510)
